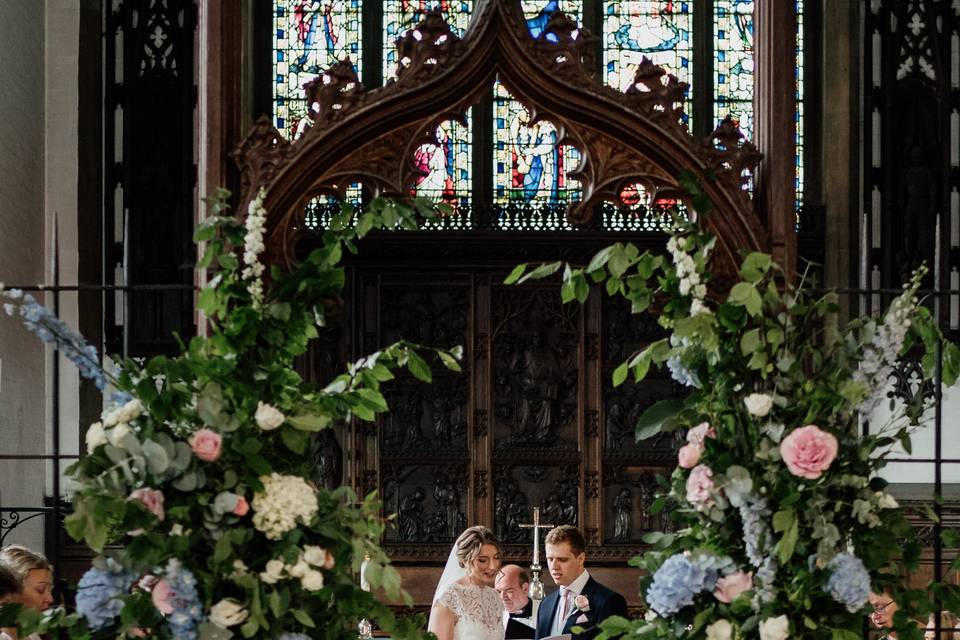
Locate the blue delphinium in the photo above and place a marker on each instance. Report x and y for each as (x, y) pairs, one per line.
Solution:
(50, 329)
(849, 581)
(99, 592)
(675, 584)
(187, 610)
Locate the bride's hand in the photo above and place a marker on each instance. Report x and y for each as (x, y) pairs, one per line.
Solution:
(442, 621)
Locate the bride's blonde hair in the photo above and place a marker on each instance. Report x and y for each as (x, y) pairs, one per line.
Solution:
(471, 540)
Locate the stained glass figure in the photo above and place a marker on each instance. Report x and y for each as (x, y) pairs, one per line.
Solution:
(309, 36)
(538, 13)
(446, 173)
(531, 187)
(399, 16)
(733, 67)
(660, 30)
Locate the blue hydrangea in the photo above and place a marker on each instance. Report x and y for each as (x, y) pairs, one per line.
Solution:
(187, 610)
(99, 592)
(50, 329)
(675, 584)
(756, 532)
(849, 581)
(293, 636)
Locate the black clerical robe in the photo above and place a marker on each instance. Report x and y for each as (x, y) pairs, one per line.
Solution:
(520, 626)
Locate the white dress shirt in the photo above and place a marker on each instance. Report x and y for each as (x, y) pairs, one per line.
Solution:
(576, 587)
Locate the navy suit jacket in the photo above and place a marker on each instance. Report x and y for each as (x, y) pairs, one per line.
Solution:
(604, 603)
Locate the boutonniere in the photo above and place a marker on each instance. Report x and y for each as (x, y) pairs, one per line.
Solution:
(581, 603)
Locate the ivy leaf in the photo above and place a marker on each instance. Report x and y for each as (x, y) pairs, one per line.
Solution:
(515, 274)
(309, 422)
(657, 418)
(744, 294)
(419, 367)
(620, 374)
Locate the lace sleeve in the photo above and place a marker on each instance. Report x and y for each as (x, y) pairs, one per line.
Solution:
(451, 600)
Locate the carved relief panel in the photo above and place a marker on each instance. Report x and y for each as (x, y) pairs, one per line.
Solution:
(535, 372)
(629, 492)
(429, 500)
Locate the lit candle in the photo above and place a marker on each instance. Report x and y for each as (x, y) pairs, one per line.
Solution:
(364, 583)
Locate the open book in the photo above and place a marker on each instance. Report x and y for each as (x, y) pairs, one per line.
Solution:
(565, 636)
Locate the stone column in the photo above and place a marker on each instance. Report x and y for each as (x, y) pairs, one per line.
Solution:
(775, 28)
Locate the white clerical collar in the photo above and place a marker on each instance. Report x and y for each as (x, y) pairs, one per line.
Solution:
(577, 585)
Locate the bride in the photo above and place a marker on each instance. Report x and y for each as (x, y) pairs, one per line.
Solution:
(465, 605)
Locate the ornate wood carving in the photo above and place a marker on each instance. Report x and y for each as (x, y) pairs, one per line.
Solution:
(370, 135)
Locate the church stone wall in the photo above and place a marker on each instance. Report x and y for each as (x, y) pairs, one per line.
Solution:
(22, 251)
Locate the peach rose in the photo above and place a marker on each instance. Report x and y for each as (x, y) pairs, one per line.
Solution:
(242, 508)
(808, 451)
(162, 596)
(689, 455)
(700, 488)
(206, 445)
(731, 586)
(152, 499)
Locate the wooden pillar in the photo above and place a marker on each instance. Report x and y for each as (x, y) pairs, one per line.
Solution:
(775, 29)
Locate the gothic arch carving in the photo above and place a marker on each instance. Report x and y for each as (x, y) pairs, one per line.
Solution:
(371, 135)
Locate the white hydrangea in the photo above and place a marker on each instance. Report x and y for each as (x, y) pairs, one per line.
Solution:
(125, 413)
(95, 436)
(284, 501)
(253, 246)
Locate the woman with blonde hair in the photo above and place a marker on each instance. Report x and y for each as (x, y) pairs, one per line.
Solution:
(35, 576)
(465, 605)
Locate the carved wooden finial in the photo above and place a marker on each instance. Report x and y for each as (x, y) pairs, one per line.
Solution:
(333, 92)
(426, 48)
(731, 154)
(258, 157)
(660, 99)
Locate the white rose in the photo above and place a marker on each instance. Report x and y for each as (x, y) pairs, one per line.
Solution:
(176, 530)
(720, 630)
(299, 570)
(118, 433)
(227, 613)
(886, 501)
(312, 580)
(273, 572)
(240, 566)
(758, 404)
(95, 436)
(268, 417)
(650, 615)
(775, 628)
(130, 411)
(317, 556)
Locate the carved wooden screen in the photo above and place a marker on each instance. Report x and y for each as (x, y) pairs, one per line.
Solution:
(533, 420)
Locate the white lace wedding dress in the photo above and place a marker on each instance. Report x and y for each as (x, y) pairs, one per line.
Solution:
(479, 612)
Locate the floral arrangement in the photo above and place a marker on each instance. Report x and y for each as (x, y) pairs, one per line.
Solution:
(197, 488)
(783, 526)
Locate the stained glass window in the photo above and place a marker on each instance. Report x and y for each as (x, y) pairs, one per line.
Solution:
(538, 12)
(399, 16)
(657, 29)
(531, 187)
(447, 166)
(309, 36)
(733, 67)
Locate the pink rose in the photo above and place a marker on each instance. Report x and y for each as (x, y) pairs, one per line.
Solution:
(689, 455)
(162, 596)
(330, 561)
(242, 508)
(808, 451)
(698, 435)
(152, 499)
(582, 603)
(731, 586)
(206, 445)
(700, 487)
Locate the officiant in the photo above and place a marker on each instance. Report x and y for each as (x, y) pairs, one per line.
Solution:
(512, 585)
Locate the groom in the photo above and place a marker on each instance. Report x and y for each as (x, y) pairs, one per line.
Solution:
(581, 601)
